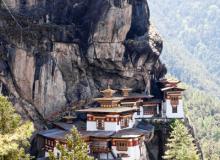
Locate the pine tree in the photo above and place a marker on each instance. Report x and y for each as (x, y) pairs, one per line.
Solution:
(14, 133)
(76, 148)
(180, 144)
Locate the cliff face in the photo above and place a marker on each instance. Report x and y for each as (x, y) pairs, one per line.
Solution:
(58, 52)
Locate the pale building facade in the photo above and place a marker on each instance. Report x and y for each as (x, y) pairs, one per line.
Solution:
(172, 104)
(173, 111)
(117, 116)
(111, 130)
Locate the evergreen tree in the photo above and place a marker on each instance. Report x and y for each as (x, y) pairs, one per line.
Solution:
(76, 148)
(180, 144)
(14, 133)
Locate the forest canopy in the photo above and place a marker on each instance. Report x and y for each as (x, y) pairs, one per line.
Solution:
(190, 32)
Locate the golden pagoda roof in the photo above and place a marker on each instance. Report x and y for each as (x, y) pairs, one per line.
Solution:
(108, 90)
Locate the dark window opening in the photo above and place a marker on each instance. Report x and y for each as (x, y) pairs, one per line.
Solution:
(174, 109)
(122, 146)
(174, 100)
(138, 112)
(100, 124)
(124, 122)
(149, 110)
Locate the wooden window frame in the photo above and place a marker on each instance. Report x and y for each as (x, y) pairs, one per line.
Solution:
(122, 122)
(174, 100)
(174, 109)
(125, 122)
(149, 110)
(100, 124)
(122, 145)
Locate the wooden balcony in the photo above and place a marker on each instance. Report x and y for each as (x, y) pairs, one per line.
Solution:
(99, 149)
(150, 112)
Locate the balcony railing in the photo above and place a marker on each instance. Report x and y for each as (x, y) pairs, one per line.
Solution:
(100, 149)
(150, 112)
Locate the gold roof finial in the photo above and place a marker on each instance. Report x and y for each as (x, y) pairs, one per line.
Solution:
(126, 91)
(108, 93)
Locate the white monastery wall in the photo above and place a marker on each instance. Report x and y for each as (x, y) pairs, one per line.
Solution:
(133, 152)
(142, 114)
(170, 114)
(112, 126)
(91, 126)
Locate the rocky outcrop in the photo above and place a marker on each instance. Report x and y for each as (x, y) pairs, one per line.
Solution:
(55, 53)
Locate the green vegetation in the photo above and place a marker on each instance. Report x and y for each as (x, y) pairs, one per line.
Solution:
(190, 31)
(204, 112)
(75, 149)
(14, 133)
(188, 69)
(180, 145)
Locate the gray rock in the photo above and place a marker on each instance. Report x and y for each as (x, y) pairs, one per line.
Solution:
(68, 50)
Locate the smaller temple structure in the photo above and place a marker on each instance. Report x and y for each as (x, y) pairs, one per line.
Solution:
(172, 103)
(150, 108)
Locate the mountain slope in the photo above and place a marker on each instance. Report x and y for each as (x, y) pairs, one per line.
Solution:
(190, 30)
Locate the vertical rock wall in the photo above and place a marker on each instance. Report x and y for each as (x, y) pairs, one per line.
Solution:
(66, 51)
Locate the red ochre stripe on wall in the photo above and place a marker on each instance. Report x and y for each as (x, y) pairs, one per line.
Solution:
(130, 143)
(106, 119)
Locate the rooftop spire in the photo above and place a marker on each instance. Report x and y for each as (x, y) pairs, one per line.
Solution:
(126, 91)
(108, 93)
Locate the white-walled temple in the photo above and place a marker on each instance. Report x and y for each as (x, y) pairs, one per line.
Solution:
(172, 103)
(112, 128)
(126, 141)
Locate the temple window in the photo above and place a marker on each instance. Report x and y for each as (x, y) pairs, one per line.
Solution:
(138, 112)
(124, 122)
(149, 110)
(99, 146)
(174, 109)
(100, 124)
(122, 145)
(174, 100)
